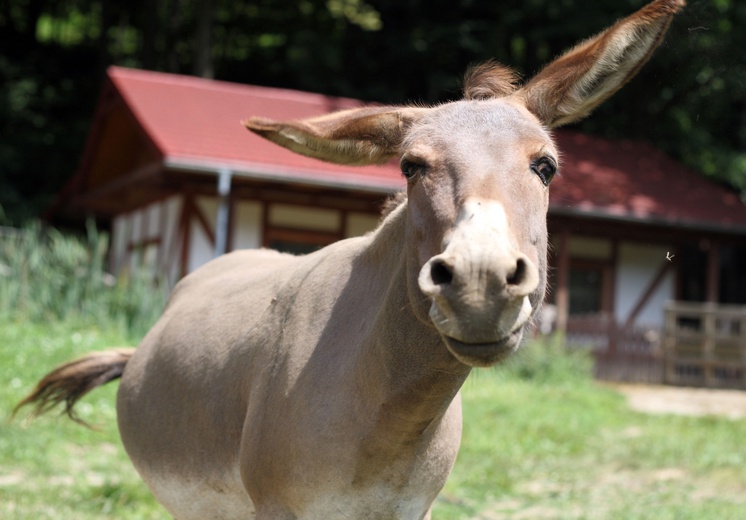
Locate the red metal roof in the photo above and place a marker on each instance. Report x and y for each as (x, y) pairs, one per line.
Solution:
(634, 181)
(196, 124)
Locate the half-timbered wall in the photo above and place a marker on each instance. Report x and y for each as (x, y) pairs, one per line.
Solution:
(630, 281)
(175, 236)
(148, 236)
(640, 283)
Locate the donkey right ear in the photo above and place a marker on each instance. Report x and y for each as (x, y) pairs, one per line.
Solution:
(359, 136)
(570, 87)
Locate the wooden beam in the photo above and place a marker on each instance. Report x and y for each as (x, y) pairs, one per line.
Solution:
(231, 222)
(163, 233)
(185, 232)
(173, 255)
(562, 298)
(713, 272)
(136, 177)
(202, 219)
(610, 274)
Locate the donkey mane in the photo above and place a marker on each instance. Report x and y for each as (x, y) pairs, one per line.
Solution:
(391, 203)
(490, 80)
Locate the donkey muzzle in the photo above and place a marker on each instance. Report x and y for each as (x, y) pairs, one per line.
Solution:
(479, 287)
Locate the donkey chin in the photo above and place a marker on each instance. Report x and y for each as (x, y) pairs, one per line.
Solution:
(476, 337)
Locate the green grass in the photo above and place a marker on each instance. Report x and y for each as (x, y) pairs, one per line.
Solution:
(556, 444)
(57, 302)
(541, 440)
(53, 468)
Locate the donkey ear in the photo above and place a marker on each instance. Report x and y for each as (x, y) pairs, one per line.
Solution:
(358, 136)
(570, 87)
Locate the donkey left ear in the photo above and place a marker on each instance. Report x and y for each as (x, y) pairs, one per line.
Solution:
(570, 87)
(358, 136)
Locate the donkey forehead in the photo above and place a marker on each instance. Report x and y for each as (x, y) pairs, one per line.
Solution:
(479, 129)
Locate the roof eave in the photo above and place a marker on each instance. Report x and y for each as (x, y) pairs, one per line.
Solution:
(627, 218)
(263, 172)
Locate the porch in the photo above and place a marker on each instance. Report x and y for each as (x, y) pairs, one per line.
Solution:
(700, 344)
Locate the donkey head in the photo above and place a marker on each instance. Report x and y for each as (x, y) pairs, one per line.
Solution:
(478, 173)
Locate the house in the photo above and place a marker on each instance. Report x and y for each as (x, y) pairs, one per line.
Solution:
(170, 166)
(634, 231)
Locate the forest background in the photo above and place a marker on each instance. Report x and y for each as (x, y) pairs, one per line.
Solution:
(689, 101)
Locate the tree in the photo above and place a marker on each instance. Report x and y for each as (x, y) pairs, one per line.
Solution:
(54, 53)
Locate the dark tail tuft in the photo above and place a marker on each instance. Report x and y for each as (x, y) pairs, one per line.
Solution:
(71, 381)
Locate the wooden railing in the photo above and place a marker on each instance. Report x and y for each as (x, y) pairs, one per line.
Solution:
(705, 345)
(621, 353)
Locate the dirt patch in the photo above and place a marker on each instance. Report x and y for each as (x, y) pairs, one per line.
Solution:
(685, 401)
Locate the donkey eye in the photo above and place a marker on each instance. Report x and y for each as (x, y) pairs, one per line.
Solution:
(409, 168)
(544, 168)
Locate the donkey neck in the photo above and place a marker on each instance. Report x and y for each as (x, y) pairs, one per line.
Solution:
(405, 366)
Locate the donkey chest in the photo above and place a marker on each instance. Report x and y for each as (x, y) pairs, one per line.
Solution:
(353, 481)
(374, 502)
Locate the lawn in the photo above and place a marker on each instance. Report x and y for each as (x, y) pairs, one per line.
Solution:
(541, 440)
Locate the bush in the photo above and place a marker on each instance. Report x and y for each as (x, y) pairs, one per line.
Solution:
(548, 360)
(46, 274)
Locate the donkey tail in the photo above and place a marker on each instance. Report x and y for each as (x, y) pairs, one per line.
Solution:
(71, 381)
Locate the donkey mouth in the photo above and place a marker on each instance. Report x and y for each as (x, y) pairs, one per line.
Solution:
(484, 354)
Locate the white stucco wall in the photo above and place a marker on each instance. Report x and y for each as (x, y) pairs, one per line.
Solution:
(638, 265)
(201, 250)
(247, 225)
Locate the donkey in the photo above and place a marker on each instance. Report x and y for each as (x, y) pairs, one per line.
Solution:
(326, 386)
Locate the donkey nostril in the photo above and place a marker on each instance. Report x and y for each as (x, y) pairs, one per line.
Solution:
(519, 274)
(440, 273)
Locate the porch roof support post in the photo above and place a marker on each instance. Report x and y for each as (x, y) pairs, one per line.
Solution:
(713, 272)
(222, 220)
(563, 276)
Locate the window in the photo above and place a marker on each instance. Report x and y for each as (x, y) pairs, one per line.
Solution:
(732, 274)
(585, 286)
(692, 267)
(301, 229)
(296, 241)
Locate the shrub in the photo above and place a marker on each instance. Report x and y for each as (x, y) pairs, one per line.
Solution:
(47, 274)
(547, 359)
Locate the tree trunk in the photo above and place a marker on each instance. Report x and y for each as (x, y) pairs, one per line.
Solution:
(203, 63)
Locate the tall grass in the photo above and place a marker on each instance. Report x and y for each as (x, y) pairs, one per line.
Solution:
(57, 302)
(46, 274)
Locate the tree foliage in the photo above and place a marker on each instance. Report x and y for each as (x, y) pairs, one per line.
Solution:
(690, 100)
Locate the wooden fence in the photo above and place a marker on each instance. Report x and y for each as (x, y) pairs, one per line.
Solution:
(705, 345)
(701, 344)
(625, 354)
